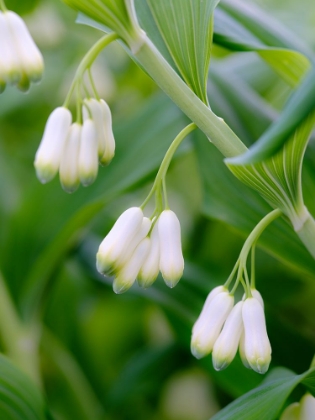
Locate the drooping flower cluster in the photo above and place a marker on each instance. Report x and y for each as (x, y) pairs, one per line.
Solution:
(76, 149)
(20, 60)
(223, 328)
(137, 248)
(303, 410)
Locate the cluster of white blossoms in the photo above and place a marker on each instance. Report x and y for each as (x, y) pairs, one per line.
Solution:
(303, 410)
(137, 248)
(222, 328)
(20, 60)
(76, 149)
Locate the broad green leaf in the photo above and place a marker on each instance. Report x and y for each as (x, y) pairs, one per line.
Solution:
(186, 27)
(298, 107)
(231, 34)
(266, 401)
(226, 199)
(19, 398)
(264, 26)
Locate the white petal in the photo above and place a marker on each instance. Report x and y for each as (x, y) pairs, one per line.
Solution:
(30, 57)
(119, 237)
(10, 67)
(204, 337)
(214, 292)
(96, 111)
(69, 171)
(307, 407)
(171, 257)
(242, 350)
(256, 295)
(257, 346)
(226, 345)
(130, 247)
(292, 412)
(48, 156)
(128, 274)
(150, 268)
(109, 152)
(88, 157)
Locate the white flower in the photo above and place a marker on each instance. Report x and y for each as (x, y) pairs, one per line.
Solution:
(88, 156)
(69, 170)
(171, 257)
(109, 142)
(214, 292)
(256, 346)
(292, 412)
(118, 240)
(48, 156)
(226, 345)
(150, 268)
(210, 325)
(21, 60)
(307, 407)
(128, 274)
(242, 350)
(101, 115)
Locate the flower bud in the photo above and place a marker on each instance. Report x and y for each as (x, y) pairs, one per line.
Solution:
(10, 68)
(69, 171)
(171, 257)
(128, 274)
(109, 140)
(95, 108)
(210, 325)
(226, 345)
(88, 160)
(214, 292)
(48, 156)
(139, 236)
(292, 412)
(119, 238)
(30, 58)
(307, 407)
(150, 268)
(257, 347)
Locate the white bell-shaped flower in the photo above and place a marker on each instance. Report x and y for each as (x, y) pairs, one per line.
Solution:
(129, 272)
(242, 350)
(10, 68)
(30, 58)
(109, 140)
(93, 110)
(138, 237)
(256, 346)
(69, 169)
(171, 256)
(118, 239)
(210, 325)
(88, 156)
(48, 156)
(226, 345)
(214, 292)
(292, 412)
(307, 407)
(150, 268)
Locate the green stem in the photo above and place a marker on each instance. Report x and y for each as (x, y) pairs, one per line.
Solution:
(165, 195)
(257, 231)
(214, 127)
(3, 7)
(87, 62)
(252, 268)
(167, 160)
(20, 340)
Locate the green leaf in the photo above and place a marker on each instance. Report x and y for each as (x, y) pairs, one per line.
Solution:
(230, 33)
(19, 398)
(298, 107)
(228, 200)
(265, 402)
(186, 27)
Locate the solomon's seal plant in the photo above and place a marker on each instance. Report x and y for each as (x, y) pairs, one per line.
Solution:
(172, 42)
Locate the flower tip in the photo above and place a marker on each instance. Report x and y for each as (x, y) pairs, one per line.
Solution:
(44, 172)
(261, 365)
(220, 364)
(197, 352)
(120, 287)
(172, 282)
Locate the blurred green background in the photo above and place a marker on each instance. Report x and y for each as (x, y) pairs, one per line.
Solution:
(127, 357)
